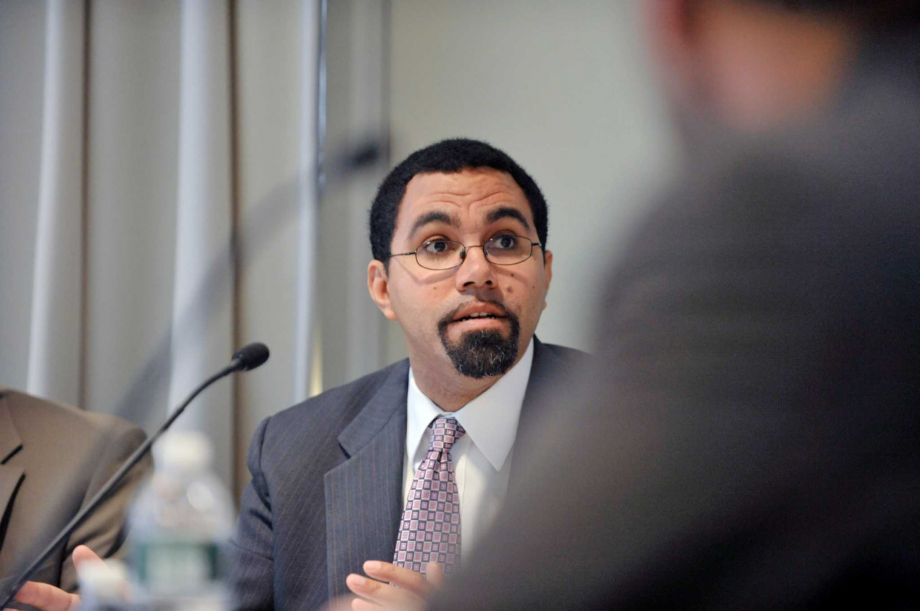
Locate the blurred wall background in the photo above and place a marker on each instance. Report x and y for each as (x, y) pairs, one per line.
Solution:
(157, 205)
(258, 100)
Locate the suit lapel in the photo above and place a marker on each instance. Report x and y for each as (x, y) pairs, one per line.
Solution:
(364, 494)
(545, 371)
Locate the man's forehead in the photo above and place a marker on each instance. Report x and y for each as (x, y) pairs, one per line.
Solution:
(461, 180)
(477, 188)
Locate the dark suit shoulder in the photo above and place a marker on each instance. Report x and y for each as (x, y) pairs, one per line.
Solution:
(312, 427)
(828, 201)
(571, 356)
(553, 364)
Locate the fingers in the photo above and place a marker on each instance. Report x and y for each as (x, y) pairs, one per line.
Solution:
(434, 573)
(398, 576)
(388, 586)
(47, 597)
(378, 594)
(82, 554)
(391, 586)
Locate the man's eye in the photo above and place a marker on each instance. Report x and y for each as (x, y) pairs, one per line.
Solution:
(436, 246)
(505, 241)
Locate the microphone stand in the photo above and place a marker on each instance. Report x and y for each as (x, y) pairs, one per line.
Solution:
(241, 360)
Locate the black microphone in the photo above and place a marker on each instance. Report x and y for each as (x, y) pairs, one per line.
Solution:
(246, 358)
(250, 356)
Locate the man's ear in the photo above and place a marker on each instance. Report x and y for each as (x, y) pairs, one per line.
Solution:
(378, 285)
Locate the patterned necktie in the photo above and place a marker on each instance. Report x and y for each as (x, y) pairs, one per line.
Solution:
(430, 526)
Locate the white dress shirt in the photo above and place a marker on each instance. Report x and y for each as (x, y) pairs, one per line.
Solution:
(482, 457)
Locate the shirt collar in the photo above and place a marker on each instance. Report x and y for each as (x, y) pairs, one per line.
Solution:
(490, 420)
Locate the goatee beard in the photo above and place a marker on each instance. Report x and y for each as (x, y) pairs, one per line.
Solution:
(480, 354)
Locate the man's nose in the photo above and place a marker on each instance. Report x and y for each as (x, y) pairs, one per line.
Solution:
(475, 270)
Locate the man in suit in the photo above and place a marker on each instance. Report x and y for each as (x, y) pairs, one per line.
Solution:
(53, 459)
(458, 233)
(752, 440)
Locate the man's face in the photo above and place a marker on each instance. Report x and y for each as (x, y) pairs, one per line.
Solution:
(475, 319)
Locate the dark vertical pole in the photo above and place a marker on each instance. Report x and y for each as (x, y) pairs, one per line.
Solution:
(235, 242)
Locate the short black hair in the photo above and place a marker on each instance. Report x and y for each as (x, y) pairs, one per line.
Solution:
(448, 157)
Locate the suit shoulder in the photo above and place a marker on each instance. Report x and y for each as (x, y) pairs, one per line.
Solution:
(572, 357)
(30, 413)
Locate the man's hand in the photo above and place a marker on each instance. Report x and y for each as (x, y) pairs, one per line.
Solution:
(393, 587)
(50, 598)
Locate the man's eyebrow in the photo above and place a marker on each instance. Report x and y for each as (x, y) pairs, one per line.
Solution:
(431, 217)
(508, 212)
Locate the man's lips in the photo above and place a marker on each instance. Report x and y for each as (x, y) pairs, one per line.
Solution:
(477, 316)
(484, 311)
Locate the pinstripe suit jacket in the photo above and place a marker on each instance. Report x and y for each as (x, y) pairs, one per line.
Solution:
(326, 489)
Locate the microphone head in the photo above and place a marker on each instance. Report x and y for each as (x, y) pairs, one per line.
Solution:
(250, 356)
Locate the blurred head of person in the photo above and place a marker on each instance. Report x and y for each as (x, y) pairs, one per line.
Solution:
(751, 65)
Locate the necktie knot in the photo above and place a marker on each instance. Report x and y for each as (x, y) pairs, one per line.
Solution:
(444, 432)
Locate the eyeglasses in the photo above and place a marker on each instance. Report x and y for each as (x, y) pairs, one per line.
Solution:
(502, 249)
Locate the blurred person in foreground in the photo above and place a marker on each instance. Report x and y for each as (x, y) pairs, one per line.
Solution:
(752, 439)
(408, 465)
(53, 460)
